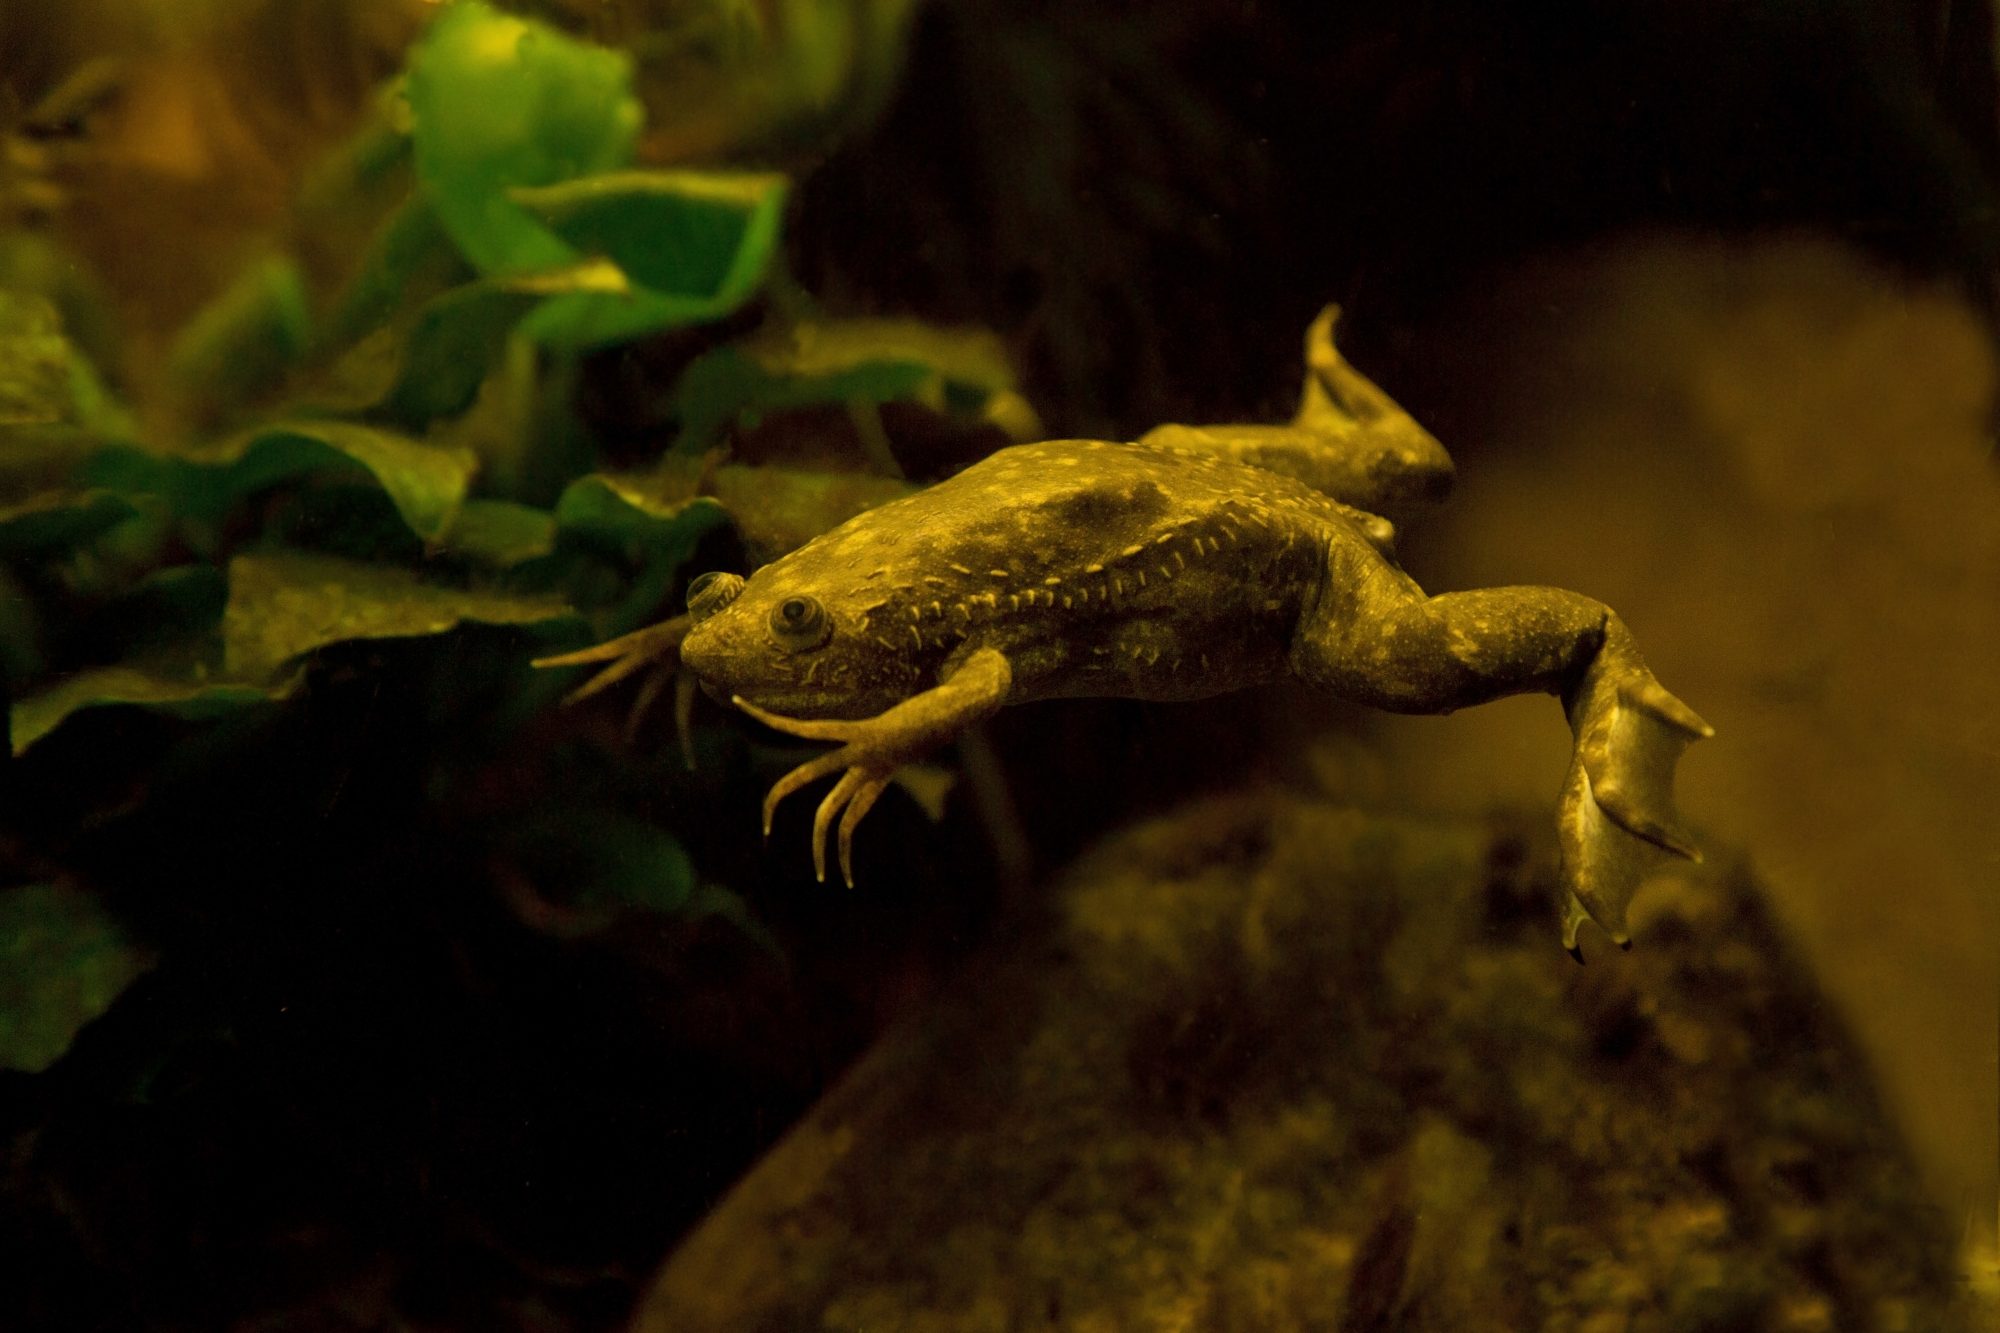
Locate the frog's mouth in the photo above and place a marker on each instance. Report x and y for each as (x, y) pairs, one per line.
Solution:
(729, 658)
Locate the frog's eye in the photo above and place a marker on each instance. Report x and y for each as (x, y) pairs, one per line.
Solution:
(800, 623)
(711, 592)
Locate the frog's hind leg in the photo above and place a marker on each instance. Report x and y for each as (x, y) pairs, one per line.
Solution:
(1377, 639)
(1349, 441)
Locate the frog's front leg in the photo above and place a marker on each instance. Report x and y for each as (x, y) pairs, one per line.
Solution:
(872, 749)
(1376, 638)
(655, 645)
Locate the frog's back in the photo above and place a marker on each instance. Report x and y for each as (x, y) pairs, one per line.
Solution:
(1087, 501)
(1100, 568)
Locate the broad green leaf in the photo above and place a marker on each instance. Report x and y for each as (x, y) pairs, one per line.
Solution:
(35, 385)
(242, 342)
(695, 245)
(46, 384)
(693, 233)
(653, 536)
(666, 249)
(500, 534)
(63, 960)
(498, 101)
(36, 716)
(426, 482)
(410, 253)
(285, 604)
(628, 511)
(971, 358)
(581, 322)
(963, 372)
(56, 519)
(729, 387)
(36, 266)
(456, 339)
(775, 509)
(522, 426)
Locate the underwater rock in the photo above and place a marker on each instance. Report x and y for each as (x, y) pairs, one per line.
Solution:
(1272, 1064)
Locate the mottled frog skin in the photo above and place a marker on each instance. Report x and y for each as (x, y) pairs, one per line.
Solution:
(1196, 561)
(1095, 569)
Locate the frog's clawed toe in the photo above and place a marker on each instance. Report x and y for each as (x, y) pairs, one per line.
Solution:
(1616, 816)
(864, 780)
(655, 645)
(854, 794)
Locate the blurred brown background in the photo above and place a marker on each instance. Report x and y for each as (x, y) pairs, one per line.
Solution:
(1701, 299)
(1773, 457)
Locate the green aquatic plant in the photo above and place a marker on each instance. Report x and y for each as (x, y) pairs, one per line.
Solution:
(373, 441)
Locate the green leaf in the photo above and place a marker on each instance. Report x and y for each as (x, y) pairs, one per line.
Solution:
(54, 520)
(498, 101)
(45, 383)
(410, 253)
(35, 387)
(63, 960)
(729, 387)
(654, 536)
(426, 482)
(35, 717)
(775, 509)
(627, 512)
(951, 371)
(283, 605)
(695, 246)
(241, 343)
(456, 339)
(501, 534)
(971, 358)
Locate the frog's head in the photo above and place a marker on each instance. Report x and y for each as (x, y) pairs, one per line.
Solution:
(790, 644)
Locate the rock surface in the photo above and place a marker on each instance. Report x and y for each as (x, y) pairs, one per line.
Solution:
(1271, 1064)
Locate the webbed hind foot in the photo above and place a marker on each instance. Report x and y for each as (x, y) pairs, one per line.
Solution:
(1616, 818)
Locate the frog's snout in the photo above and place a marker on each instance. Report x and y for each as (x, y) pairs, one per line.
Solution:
(700, 653)
(705, 653)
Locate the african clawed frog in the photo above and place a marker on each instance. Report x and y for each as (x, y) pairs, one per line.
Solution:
(1195, 561)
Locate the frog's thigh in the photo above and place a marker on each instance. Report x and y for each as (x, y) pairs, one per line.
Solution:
(1377, 639)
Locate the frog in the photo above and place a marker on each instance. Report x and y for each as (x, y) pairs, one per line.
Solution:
(1189, 562)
